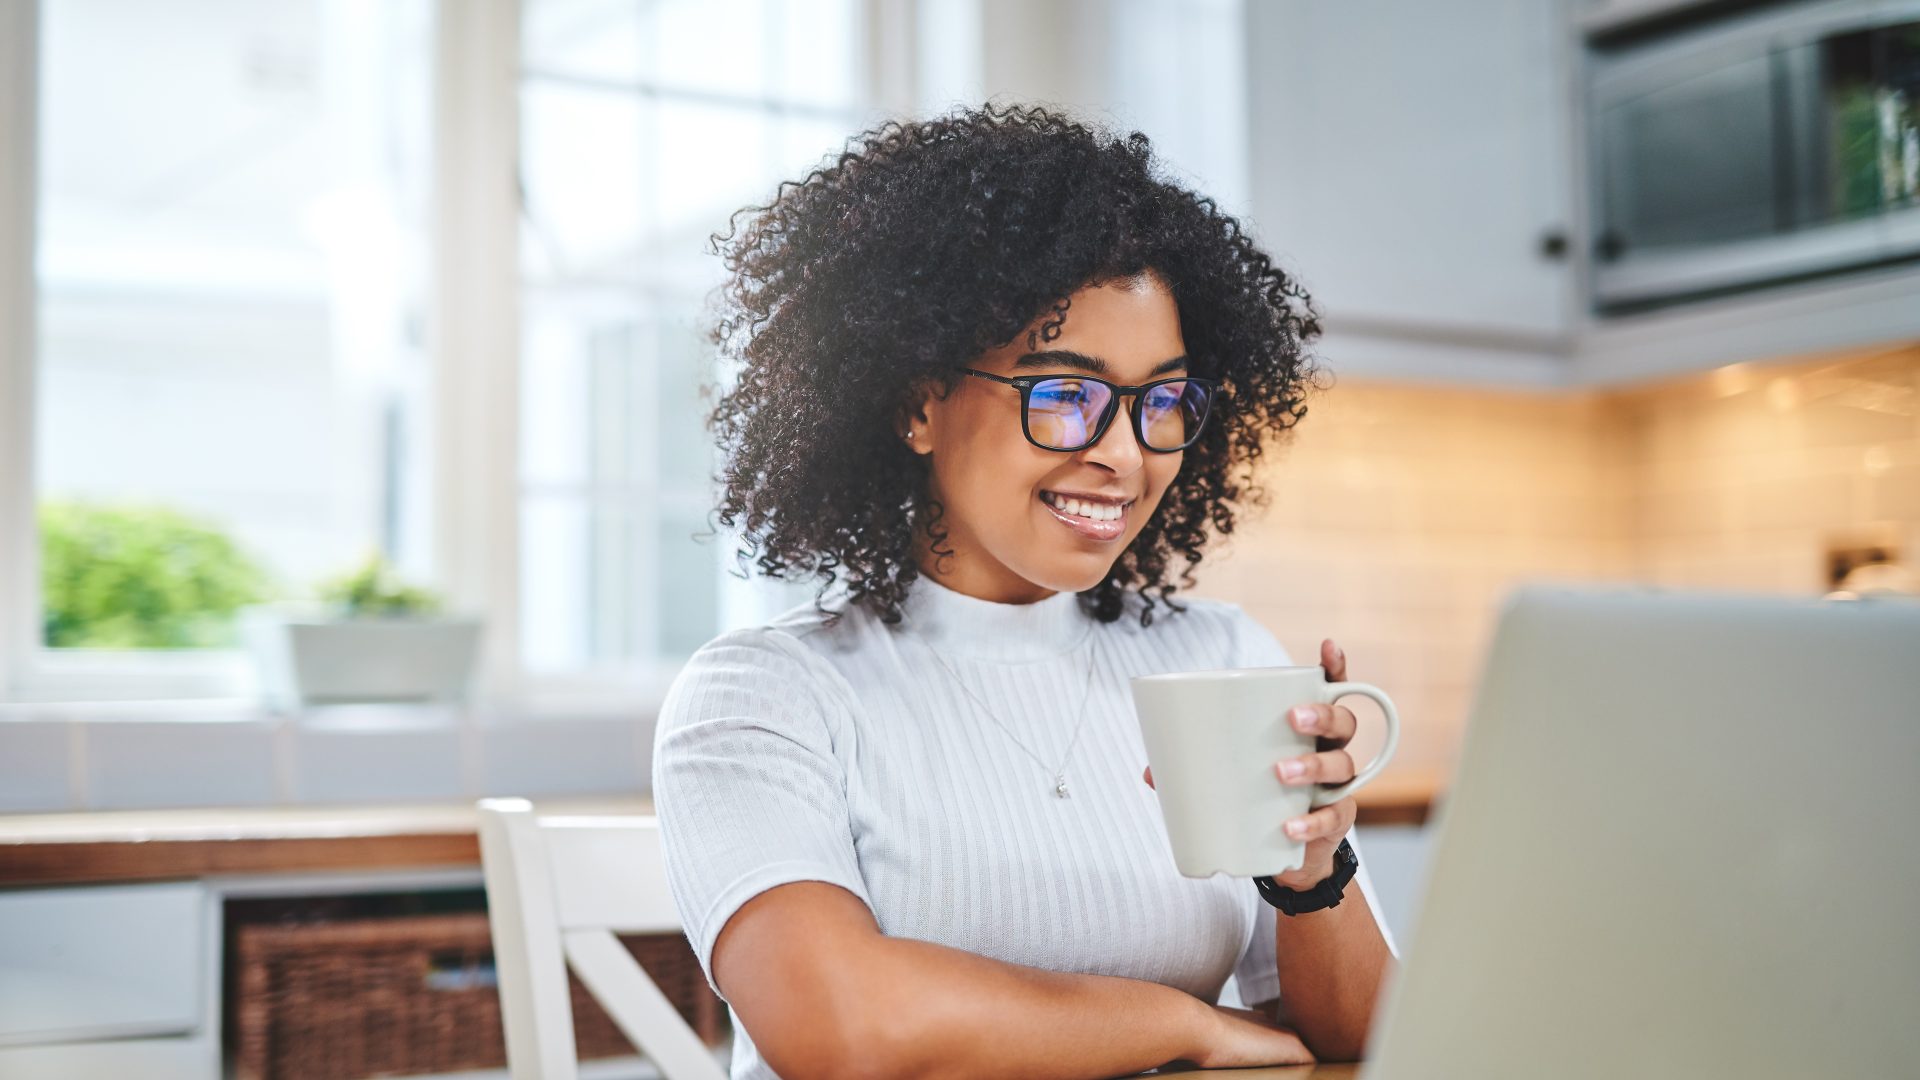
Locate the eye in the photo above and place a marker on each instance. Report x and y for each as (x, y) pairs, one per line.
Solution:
(1061, 392)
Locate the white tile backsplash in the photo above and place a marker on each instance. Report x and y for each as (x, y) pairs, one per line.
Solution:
(371, 764)
(36, 766)
(338, 755)
(566, 757)
(153, 764)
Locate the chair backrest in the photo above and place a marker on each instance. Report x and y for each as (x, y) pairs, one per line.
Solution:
(558, 889)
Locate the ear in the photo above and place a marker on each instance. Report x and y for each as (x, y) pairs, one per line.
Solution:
(914, 421)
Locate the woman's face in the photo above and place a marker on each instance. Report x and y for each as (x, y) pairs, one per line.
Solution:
(1013, 539)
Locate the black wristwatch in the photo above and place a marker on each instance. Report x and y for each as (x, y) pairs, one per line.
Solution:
(1324, 895)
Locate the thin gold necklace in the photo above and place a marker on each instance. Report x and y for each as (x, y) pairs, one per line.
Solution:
(1059, 773)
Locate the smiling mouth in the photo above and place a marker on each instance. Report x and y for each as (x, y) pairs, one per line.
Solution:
(1091, 509)
(1089, 518)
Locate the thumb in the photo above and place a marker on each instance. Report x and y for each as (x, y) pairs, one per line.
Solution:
(1148, 776)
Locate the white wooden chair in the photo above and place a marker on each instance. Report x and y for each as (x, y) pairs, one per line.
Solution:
(558, 890)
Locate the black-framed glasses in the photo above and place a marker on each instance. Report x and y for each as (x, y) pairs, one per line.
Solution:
(1071, 412)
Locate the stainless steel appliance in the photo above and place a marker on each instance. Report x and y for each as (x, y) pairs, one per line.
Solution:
(1777, 143)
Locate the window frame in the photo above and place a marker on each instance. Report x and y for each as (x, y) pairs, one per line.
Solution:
(30, 673)
(473, 314)
(19, 131)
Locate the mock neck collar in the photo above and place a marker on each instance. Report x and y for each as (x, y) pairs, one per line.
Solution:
(958, 624)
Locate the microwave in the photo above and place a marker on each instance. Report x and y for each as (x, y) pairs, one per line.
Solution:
(1774, 145)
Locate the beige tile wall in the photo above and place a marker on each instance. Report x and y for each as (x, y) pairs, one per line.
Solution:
(1401, 514)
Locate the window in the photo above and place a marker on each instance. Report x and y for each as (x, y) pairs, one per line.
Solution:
(256, 241)
(227, 283)
(643, 126)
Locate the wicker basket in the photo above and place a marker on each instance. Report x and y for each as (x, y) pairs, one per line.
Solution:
(404, 996)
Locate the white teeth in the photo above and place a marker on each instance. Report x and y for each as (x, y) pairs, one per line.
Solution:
(1079, 508)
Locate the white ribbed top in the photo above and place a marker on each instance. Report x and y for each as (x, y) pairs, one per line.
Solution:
(801, 752)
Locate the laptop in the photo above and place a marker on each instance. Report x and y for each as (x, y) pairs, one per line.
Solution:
(1682, 840)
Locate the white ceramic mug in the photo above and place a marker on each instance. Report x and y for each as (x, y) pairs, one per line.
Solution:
(1213, 739)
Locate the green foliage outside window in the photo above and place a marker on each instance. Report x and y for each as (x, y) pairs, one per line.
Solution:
(141, 577)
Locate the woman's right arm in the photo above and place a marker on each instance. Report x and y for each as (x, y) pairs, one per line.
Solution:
(824, 994)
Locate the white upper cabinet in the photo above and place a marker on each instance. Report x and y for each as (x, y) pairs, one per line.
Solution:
(1410, 161)
(1426, 169)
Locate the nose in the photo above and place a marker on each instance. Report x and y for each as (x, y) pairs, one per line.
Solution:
(1119, 448)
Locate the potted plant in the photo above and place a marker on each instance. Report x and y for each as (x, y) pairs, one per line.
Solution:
(369, 638)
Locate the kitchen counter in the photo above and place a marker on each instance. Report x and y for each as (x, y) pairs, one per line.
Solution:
(151, 845)
(147, 845)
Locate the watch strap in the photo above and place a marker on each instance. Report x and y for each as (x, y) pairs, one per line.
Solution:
(1326, 894)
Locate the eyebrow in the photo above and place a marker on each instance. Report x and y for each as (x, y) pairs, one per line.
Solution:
(1068, 358)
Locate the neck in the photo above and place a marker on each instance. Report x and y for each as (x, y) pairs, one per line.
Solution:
(954, 623)
(971, 571)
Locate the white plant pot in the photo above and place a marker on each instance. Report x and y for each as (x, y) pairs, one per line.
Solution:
(312, 659)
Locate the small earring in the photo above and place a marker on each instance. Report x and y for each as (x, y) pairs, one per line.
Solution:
(909, 434)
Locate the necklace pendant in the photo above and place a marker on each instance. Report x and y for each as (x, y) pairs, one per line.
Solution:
(1060, 788)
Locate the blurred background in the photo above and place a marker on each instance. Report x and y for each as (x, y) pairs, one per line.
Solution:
(318, 311)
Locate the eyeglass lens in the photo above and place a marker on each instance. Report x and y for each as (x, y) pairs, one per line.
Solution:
(1063, 413)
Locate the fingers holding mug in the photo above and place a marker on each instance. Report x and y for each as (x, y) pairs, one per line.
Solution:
(1326, 767)
(1333, 724)
(1329, 822)
(1333, 661)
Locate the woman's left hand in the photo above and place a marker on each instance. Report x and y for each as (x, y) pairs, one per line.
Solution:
(1323, 828)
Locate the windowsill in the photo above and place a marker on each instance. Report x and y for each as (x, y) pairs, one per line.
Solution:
(167, 684)
(543, 698)
(175, 710)
(368, 716)
(234, 752)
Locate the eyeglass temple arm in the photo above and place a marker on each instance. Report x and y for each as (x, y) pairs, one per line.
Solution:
(995, 378)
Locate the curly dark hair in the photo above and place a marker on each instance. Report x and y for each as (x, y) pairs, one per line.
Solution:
(924, 245)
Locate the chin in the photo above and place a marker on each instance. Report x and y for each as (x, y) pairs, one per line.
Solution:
(1075, 575)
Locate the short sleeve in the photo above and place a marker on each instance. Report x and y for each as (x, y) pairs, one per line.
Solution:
(746, 786)
(1256, 973)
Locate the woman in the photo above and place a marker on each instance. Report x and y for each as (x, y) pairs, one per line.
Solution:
(998, 384)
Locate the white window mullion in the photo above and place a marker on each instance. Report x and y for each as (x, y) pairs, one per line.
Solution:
(475, 323)
(19, 534)
(891, 48)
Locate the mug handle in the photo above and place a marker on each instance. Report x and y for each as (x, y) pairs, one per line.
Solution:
(1336, 691)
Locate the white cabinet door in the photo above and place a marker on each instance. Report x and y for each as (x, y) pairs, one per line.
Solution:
(1407, 158)
(99, 962)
